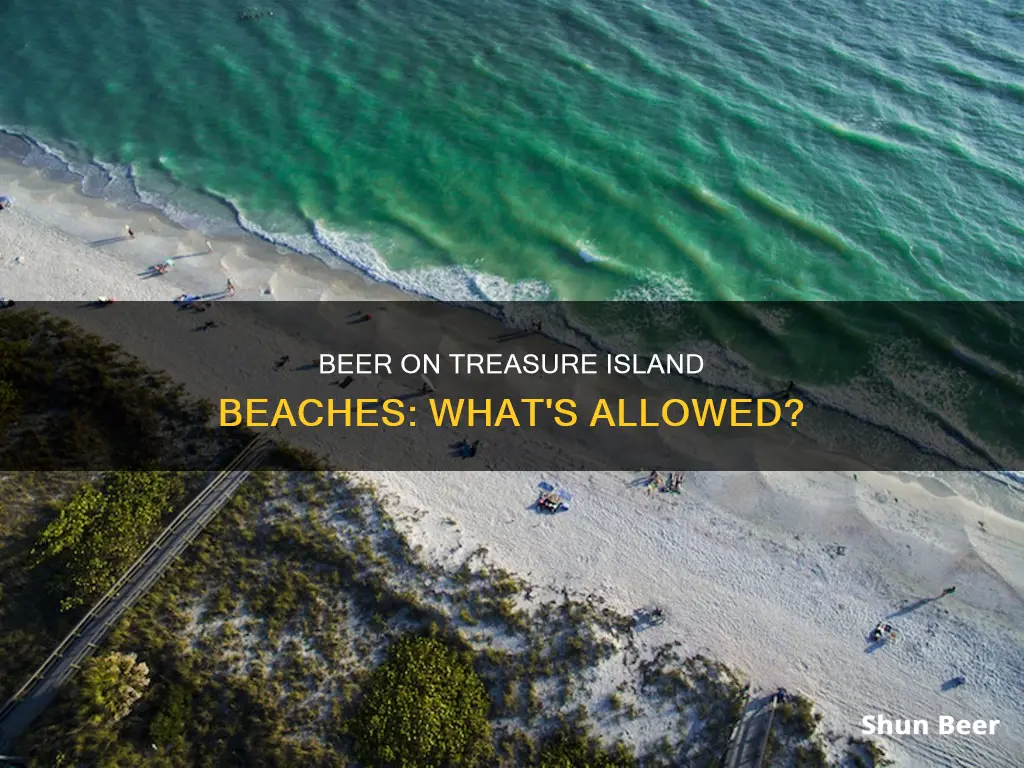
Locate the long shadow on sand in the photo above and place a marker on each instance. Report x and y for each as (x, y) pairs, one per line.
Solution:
(154, 272)
(911, 607)
(511, 336)
(109, 241)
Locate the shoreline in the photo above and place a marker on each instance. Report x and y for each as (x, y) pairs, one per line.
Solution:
(252, 263)
(87, 255)
(740, 561)
(312, 258)
(260, 269)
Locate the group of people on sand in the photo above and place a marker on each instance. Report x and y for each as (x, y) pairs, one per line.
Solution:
(549, 501)
(883, 631)
(163, 267)
(672, 484)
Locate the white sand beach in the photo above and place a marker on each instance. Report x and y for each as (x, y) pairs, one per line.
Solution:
(745, 565)
(62, 245)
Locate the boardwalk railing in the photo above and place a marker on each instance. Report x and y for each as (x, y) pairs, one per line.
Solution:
(767, 734)
(245, 461)
(749, 740)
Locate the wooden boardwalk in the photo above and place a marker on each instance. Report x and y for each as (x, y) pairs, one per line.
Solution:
(42, 687)
(750, 738)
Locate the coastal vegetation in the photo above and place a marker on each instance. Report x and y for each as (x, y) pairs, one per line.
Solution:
(71, 400)
(102, 529)
(425, 705)
(574, 746)
(304, 628)
(110, 686)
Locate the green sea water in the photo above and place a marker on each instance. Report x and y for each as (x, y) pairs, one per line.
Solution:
(591, 149)
(582, 149)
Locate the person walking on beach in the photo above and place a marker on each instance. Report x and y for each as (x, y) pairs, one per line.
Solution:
(230, 288)
(130, 233)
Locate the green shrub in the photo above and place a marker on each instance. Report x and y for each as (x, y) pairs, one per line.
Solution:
(574, 747)
(101, 530)
(168, 724)
(424, 706)
(110, 686)
(8, 400)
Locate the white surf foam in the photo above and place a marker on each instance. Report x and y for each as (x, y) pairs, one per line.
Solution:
(460, 284)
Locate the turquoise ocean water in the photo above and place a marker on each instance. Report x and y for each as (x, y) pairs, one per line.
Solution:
(575, 149)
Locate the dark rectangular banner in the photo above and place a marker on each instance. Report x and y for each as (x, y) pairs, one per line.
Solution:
(420, 385)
